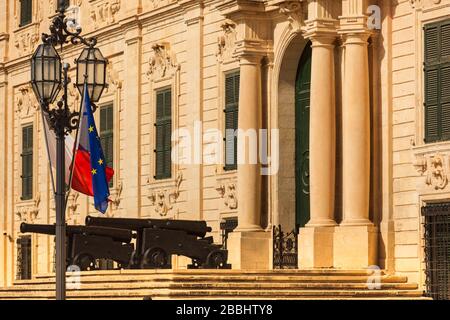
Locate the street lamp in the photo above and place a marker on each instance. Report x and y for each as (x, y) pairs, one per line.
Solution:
(48, 76)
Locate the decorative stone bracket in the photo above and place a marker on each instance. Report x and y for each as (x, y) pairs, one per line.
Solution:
(436, 169)
(29, 210)
(164, 198)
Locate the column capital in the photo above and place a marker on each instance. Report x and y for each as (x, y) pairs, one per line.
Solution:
(321, 31)
(250, 58)
(360, 38)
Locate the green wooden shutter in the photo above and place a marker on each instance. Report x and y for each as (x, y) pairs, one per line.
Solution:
(163, 150)
(437, 81)
(26, 11)
(232, 82)
(107, 135)
(27, 162)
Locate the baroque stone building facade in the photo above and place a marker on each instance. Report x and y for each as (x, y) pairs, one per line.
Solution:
(343, 85)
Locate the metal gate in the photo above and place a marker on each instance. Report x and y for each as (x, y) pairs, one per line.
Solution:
(285, 248)
(23, 264)
(437, 250)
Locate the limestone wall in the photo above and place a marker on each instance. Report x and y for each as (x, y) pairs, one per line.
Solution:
(409, 188)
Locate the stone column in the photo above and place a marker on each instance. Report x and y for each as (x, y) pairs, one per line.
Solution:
(249, 173)
(322, 132)
(249, 244)
(316, 239)
(356, 131)
(356, 239)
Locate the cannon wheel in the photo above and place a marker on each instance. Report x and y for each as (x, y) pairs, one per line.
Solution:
(154, 258)
(216, 259)
(85, 262)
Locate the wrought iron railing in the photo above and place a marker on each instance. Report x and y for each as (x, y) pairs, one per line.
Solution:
(285, 249)
(227, 226)
(23, 265)
(437, 250)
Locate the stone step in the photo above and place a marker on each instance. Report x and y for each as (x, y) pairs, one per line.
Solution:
(214, 278)
(217, 294)
(216, 286)
(219, 284)
(197, 272)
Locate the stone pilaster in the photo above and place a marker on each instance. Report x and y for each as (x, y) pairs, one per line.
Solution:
(3, 186)
(132, 121)
(193, 17)
(316, 239)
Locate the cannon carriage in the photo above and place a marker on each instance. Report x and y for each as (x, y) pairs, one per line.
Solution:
(159, 239)
(85, 245)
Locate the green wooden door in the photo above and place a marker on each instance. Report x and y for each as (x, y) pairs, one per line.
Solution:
(302, 102)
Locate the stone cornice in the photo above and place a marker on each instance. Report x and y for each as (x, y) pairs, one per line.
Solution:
(241, 7)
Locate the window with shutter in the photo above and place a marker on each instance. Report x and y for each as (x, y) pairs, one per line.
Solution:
(163, 150)
(27, 162)
(26, 10)
(107, 135)
(232, 81)
(437, 81)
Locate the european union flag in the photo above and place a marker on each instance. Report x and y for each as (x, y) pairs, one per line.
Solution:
(90, 146)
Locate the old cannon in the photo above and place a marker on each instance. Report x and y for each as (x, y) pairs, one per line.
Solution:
(87, 244)
(159, 239)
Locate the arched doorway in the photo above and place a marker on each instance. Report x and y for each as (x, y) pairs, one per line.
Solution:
(291, 98)
(302, 108)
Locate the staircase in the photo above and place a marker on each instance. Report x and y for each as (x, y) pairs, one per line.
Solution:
(219, 284)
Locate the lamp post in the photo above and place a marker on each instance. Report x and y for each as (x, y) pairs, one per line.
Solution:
(48, 76)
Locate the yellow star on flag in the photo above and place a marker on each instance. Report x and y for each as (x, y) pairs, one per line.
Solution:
(91, 129)
(94, 172)
(100, 162)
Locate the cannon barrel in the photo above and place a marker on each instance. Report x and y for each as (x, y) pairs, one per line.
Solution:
(120, 235)
(194, 228)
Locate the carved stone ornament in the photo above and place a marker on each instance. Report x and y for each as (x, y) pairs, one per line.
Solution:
(113, 78)
(103, 13)
(25, 40)
(296, 12)
(227, 41)
(423, 3)
(436, 168)
(228, 192)
(28, 211)
(25, 100)
(155, 4)
(162, 62)
(116, 196)
(164, 199)
(72, 205)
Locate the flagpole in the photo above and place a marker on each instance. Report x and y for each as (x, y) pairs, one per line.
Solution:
(61, 264)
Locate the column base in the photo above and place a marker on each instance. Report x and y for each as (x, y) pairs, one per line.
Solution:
(249, 250)
(315, 247)
(355, 247)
